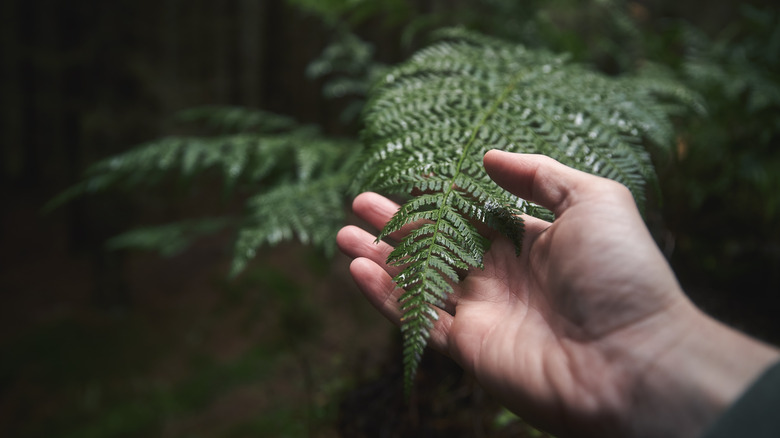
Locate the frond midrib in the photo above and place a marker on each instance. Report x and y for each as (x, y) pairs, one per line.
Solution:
(414, 338)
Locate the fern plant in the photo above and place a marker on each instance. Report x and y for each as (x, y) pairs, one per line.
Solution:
(298, 180)
(430, 121)
(350, 68)
(426, 126)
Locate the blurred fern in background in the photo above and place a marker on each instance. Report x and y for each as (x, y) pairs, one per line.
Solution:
(296, 177)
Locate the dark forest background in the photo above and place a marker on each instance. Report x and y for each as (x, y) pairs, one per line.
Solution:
(121, 344)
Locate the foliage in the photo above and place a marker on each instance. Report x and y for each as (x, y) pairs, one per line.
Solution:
(349, 68)
(739, 74)
(431, 120)
(727, 167)
(427, 124)
(297, 177)
(355, 11)
(112, 376)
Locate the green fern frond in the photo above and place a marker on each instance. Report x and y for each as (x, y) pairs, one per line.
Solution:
(298, 179)
(349, 68)
(168, 239)
(347, 55)
(244, 157)
(431, 120)
(311, 210)
(233, 119)
(239, 156)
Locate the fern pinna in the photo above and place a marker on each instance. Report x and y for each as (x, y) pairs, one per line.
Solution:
(429, 122)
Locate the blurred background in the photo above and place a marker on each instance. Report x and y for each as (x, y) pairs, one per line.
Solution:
(118, 343)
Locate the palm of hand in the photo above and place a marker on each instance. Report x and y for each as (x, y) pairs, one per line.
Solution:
(546, 332)
(563, 309)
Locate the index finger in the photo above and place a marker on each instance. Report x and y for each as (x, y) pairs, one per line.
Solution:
(377, 210)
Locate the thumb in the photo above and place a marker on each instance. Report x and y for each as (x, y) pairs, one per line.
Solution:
(537, 178)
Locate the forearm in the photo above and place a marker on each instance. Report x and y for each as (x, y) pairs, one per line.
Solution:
(705, 369)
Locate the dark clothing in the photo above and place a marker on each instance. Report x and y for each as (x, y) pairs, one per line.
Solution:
(756, 414)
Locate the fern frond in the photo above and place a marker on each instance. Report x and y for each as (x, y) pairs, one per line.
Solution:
(347, 54)
(431, 120)
(299, 179)
(168, 239)
(311, 210)
(239, 156)
(349, 68)
(233, 119)
(245, 157)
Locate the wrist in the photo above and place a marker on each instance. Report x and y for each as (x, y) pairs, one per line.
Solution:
(698, 368)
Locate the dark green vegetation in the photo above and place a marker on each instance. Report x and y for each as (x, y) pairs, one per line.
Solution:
(426, 126)
(268, 178)
(430, 121)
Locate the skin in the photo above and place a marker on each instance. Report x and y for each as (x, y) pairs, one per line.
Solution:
(585, 333)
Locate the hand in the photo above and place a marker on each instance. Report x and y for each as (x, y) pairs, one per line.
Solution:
(587, 332)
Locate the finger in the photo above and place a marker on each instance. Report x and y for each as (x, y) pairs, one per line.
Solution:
(538, 178)
(356, 242)
(533, 226)
(382, 292)
(377, 210)
(378, 287)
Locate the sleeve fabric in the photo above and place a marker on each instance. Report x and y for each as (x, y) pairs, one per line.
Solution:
(756, 413)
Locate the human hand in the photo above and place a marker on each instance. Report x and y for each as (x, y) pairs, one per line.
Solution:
(587, 331)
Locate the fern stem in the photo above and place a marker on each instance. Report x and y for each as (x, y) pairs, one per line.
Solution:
(469, 144)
